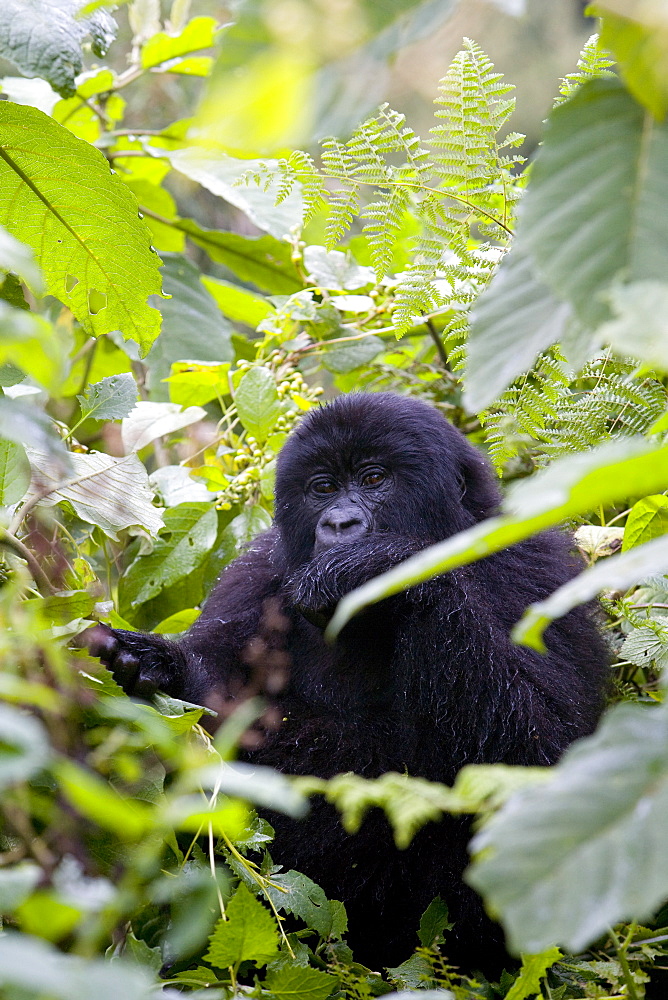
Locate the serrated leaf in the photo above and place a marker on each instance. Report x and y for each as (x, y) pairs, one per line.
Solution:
(14, 472)
(596, 198)
(264, 787)
(258, 405)
(515, 318)
(532, 972)
(110, 399)
(554, 863)
(300, 983)
(44, 38)
(298, 894)
(148, 421)
(221, 174)
(433, 922)
(111, 492)
(643, 645)
(58, 195)
(190, 532)
(647, 519)
(248, 934)
(24, 746)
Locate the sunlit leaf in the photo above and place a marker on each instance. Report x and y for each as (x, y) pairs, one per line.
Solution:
(58, 195)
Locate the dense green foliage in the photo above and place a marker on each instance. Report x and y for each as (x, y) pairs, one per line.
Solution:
(142, 408)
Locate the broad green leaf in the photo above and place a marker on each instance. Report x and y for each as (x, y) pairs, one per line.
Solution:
(617, 573)
(59, 609)
(300, 895)
(433, 922)
(179, 622)
(354, 355)
(643, 645)
(14, 472)
(595, 207)
(248, 934)
(44, 38)
(162, 47)
(532, 972)
(566, 860)
(193, 328)
(197, 383)
(640, 324)
(257, 402)
(237, 303)
(515, 318)
(190, 532)
(571, 486)
(128, 819)
(293, 982)
(44, 914)
(31, 967)
(262, 260)
(24, 746)
(110, 399)
(148, 421)
(58, 195)
(639, 42)
(220, 174)
(111, 492)
(648, 519)
(153, 198)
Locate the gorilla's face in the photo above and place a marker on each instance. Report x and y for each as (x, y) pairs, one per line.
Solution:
(345, 505)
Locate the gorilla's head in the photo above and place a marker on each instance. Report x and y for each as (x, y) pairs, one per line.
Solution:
(377, 463)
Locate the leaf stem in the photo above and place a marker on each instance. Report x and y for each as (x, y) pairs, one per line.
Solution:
(621, 949)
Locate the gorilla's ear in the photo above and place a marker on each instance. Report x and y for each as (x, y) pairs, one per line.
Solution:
(480, 495)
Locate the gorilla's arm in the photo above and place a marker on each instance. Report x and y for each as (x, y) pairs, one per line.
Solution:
(208, 654)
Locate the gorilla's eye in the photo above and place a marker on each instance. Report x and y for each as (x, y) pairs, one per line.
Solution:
(324, 487)
(373, 478)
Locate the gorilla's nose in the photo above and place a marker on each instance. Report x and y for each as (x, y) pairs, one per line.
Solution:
(339, 525)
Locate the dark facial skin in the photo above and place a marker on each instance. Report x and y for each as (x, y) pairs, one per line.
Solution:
(346, 508)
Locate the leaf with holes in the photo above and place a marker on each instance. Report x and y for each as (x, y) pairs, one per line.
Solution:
(190, 532)
(58, 195)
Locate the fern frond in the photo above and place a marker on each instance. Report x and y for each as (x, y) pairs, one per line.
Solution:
(386, 215)
(594, 61)
(344, 206)
(416, 291)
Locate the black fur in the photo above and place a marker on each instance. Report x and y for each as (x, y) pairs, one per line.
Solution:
(423, 683)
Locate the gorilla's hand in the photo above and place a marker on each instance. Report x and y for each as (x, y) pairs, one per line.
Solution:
(141, 664)
(318, 585)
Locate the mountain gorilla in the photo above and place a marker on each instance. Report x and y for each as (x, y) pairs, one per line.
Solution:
(422, 683)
